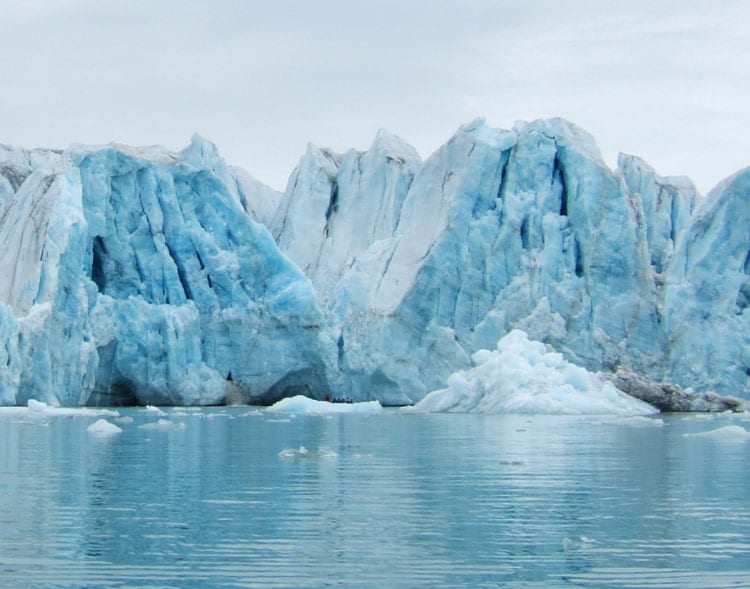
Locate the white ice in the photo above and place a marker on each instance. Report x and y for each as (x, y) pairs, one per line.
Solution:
(728, 433)
(39, 409)
(304, 453)
(521, 376)
(163, 425)
(102, 427)
(302, 404)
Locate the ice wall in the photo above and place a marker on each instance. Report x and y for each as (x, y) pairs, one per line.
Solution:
(497, 230)
(135, 276)
(707, 294)
(140, 275)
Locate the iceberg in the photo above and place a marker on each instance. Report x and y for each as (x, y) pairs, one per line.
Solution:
(727, 434)
(305, 405)
(522, 376)
(103, 428)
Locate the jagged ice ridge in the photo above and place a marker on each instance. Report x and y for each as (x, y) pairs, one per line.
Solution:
(139, 275)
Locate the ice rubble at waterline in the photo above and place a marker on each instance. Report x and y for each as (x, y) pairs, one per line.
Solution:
(522, 376)
(145, 276)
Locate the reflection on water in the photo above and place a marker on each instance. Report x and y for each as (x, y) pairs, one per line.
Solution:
(238, 499)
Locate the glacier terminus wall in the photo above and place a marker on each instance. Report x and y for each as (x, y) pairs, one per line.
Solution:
(140, 275)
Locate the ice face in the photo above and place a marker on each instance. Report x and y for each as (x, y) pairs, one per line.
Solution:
(667, 203)
(499, 230)
(140, 275)
(135, 276)
(337, 207)
(524, 228)
(707, 293)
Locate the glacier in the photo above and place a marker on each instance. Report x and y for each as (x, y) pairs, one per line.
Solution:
(144, 276)
(136, 275)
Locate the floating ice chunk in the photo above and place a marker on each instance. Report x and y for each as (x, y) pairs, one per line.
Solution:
(102, 427)
(151, 410)
(39, 408)
(290, 453)
(521, 376)
(639, 421)
(582, 543)
(124, 419)
(302, 404)
(728, 433)
(163, 425)
(303, 452)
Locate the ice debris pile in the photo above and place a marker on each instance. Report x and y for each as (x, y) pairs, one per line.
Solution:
(521, 376)
(140, 275)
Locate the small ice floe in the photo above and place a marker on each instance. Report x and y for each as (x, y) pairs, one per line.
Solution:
(151, 410)
(638, 421)
(705, 415)
(103, 428)
(124, 419)
(215, 415)
(302, 404)
(303, 453)
(290, 453)
(728, 433)
(252, 413)
(39, 408)
(164, 425)
(582, 543)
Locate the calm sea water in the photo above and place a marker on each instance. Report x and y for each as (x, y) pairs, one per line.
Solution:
(234, 497)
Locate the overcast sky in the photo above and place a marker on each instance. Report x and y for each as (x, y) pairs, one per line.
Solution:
(666, 80)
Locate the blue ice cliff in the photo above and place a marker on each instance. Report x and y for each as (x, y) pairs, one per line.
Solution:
(138, 275)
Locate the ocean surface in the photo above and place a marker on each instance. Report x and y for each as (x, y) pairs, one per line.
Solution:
(238, 497)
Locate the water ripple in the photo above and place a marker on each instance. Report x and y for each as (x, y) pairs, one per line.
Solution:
(354, 501)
